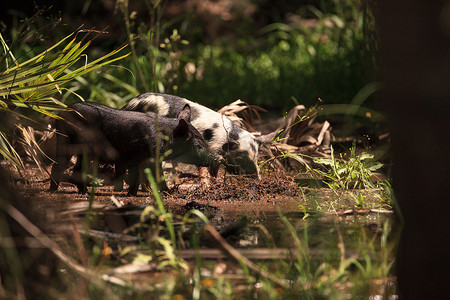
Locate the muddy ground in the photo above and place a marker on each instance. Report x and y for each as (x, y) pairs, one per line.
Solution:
(227, 198)
(225, 203)
(230, 193)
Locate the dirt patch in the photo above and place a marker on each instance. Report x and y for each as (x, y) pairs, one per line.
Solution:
(225, 201)
(241, 194)
(228, 196)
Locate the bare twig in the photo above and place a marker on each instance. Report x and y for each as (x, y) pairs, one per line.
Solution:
(325, 127)
(54, 247)
(234, 254)
(259, 253)
(116, 202)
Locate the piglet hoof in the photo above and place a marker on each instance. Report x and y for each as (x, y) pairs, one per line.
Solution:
(205, 179)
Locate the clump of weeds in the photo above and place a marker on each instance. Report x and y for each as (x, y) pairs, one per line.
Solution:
(353, 177)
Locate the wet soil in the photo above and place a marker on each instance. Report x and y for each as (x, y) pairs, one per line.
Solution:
(228, 197)
(245, 212)
(230, 193)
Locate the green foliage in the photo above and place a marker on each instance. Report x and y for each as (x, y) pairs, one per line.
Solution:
(327, 56)
(160, 203)
(30, 86)
(342, 272)
(369, 251)
(331, 59)
(352, 173)
(352, 181)
(155, 58)
(33, 83)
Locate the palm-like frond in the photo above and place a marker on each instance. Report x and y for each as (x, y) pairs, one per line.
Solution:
(33, 83)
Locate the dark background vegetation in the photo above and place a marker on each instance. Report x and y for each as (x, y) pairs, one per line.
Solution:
(269, 53)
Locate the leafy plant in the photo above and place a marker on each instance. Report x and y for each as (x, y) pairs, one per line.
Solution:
(382, 252)
(324, 53)
(354, 172)
(31, 85)
(155, 55)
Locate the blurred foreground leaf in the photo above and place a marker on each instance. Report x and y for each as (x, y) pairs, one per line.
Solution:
(31, 85)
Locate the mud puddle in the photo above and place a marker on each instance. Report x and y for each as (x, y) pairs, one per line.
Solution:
(247, 212)
(272, 221)
(224, 202)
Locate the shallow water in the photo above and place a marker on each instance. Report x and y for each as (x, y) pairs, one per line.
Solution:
(319, 232)
(272, 213)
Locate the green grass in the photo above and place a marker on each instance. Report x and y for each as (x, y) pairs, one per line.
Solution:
(350, 178)
(345, 270)
(353, 172)
(333, 59)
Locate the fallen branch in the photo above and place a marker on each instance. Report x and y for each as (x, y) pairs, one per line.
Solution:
(258, 253)
(215, 236)
(134, 268)
(55, 249)
(299, 134)
(360, 212)
(324, 129)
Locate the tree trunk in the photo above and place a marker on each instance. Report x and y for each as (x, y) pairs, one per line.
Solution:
(415, 43)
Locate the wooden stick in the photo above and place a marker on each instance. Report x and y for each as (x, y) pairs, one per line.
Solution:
(258, 253)
(234, 254)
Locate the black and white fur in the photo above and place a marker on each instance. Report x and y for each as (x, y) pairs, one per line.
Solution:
(238, 147)
(127, 139)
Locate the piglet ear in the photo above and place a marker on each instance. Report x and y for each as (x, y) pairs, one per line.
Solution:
(185, 113)
(182, 129)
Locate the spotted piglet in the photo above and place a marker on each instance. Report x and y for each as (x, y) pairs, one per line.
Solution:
(128, 139)
(238, 147)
